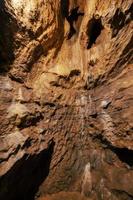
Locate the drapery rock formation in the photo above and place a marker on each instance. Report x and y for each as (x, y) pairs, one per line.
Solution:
(66, 92)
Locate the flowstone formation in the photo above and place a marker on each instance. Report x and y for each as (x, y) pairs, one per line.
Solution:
(66, 92)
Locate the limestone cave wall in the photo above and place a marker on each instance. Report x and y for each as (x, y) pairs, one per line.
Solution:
(66, 100)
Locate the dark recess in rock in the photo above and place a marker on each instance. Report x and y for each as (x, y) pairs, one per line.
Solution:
(120, 19)
(30, 121)
(74, 73)
(64, 7)
(8, 25)
(125, 155)
(94, 30)
(31, 172)
(72, 18)
(122, 195)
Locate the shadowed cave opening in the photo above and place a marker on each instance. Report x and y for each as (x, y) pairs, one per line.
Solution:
(72, 18)
(120, 19)
(125, 155)
(94, 30)
(64, 8)
(8, 26)
(23, 180)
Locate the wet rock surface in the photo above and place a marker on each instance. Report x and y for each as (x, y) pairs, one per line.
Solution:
(66, 99)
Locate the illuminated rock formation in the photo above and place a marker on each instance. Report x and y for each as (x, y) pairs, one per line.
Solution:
(66, 92)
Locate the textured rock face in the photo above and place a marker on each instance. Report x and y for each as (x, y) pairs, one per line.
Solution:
(66, 93)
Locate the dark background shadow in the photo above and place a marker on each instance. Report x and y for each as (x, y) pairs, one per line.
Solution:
(23, 180)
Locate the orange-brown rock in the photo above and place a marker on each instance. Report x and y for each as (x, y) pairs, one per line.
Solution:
(66, 99)
(65, 196)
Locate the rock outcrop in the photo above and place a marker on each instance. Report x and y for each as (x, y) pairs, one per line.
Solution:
(66, 92)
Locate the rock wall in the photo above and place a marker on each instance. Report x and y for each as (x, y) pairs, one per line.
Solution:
(66, 92)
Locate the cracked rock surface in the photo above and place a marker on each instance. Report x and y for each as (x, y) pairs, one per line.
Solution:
(66, 100)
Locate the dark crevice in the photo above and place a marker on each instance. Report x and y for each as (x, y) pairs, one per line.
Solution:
(8, 26)
(64, 8)
(16, 78)
(64, 80)
(124, 155)
(120, 19)
(102, 140)
(30, 120)
(27, 143)
(4, 66)
(122, 195)
(94, 30)
(50, 104)
(24, 178)
(74, 72)
(72, 18)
